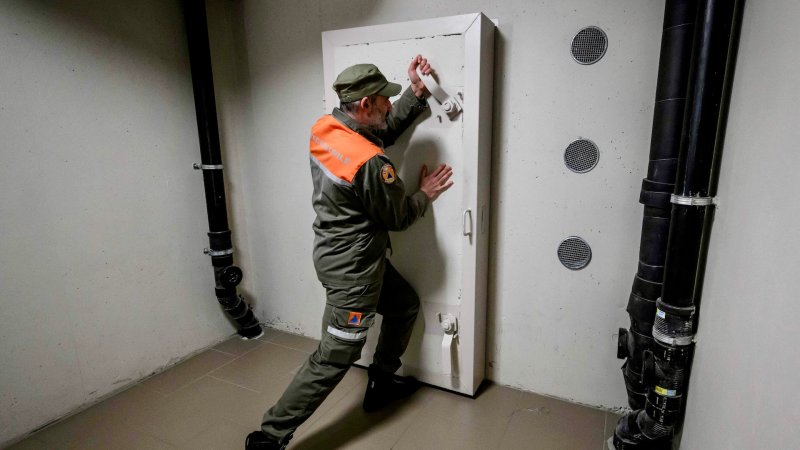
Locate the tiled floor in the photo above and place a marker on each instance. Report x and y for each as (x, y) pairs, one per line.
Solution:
(214, 399)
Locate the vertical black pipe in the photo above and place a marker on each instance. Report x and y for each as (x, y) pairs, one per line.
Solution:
(670, 102)
(699, 139)
(668, 361)
(226, 275)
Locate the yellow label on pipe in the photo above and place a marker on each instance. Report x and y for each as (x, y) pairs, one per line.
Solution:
(667, 392)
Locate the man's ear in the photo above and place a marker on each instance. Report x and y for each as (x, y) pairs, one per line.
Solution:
(365, 103)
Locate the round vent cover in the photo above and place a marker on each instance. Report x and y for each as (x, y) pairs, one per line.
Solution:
(574, 253)
(589, 45)
(581, 156)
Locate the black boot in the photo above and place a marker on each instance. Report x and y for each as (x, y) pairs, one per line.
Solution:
(260, 441)
(384, 387)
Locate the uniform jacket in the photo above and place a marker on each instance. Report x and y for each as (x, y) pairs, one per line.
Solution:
(358, 196)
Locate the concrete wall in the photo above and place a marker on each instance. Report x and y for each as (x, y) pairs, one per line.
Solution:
(743, 391)
(103, 220)
(551, 330)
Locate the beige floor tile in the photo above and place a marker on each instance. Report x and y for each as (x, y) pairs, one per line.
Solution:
(224, 400)
(188, 371)
(121, 438)
(32, 443)
(550, 424)
(347, 426)
(69, 432)
(302, 343)
(222, 435)
(214, 400)
(244, 416)
(110, 413)
(262, 368)
(452, 421)
(189, 411)
(237, 346)
(205, 403)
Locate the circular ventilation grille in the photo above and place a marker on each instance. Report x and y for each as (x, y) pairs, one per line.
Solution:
(581, 156)
(589, 45)
(574, 253)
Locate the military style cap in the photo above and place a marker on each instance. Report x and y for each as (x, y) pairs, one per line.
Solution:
(362, 80)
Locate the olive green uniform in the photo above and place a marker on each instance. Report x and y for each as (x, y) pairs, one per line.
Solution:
(351, 241)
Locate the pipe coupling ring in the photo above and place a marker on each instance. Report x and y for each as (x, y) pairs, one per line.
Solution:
(691, 201)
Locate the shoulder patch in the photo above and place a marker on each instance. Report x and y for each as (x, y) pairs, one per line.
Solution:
(387, 173)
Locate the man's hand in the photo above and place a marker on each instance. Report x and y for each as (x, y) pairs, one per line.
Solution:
(437, 182)
(416, 84)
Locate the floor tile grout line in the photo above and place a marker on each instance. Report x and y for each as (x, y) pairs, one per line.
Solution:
(237, 355)
(136, 426)
(232, 383)
(152, 435)
(167, 395)
(235, 358)
(292, 348)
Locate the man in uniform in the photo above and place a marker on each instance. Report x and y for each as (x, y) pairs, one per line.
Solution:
(358, 198)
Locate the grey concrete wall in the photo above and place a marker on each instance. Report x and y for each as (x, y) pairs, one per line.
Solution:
(743, 392)
(103, 221)
(551, 330)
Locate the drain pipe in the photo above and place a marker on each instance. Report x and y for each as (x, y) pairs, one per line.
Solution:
(226, 275)
(667, 363)
(670, 102)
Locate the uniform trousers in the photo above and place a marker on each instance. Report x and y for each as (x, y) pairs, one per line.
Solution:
(349, 312)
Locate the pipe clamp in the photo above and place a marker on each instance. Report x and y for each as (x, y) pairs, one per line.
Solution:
(198, 166)
(218, 252)
(691, 201)
(672, 340)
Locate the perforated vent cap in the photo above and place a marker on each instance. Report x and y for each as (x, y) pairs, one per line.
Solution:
(581, 156)
(574, 253)
(589, 45)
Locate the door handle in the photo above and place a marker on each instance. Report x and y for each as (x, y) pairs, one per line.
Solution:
(450, 103)
(466, 223)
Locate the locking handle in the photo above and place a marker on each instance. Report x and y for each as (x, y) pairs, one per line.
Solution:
(450, 103)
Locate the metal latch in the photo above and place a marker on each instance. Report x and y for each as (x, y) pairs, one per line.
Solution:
(449, 325)
(450, 104)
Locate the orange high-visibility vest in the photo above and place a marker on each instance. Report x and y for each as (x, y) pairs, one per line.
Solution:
(339, 149)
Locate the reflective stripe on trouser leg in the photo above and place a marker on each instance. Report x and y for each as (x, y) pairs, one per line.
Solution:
(399, 305)
(326, 367)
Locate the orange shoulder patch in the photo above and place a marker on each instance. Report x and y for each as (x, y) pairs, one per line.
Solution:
(339, 149)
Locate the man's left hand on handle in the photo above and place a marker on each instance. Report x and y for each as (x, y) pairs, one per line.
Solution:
(416, 83)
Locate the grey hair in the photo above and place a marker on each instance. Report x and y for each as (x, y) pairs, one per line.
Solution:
(352, 107)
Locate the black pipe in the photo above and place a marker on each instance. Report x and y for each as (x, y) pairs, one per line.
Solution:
(226, 275)
(670, 102)
(667, 363)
